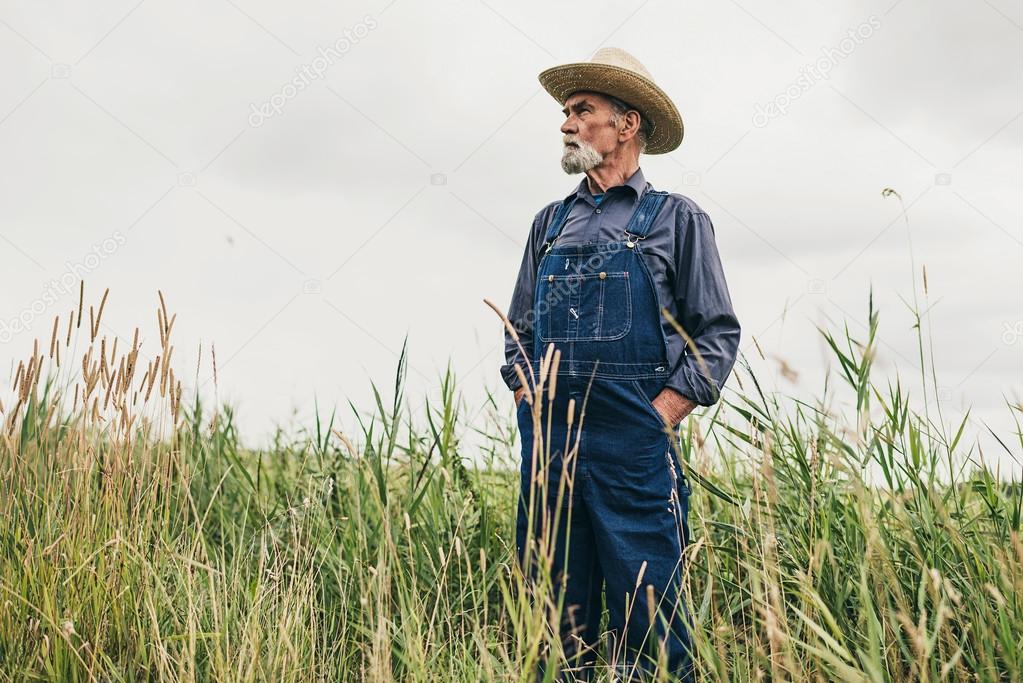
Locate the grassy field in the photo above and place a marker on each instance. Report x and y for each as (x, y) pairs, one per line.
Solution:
(140, 541)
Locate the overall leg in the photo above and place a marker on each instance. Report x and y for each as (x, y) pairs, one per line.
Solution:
(579, 580)
(638, 540)
(637, 506)
(567, 557)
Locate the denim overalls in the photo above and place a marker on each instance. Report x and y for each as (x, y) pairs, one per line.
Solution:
(625, 490)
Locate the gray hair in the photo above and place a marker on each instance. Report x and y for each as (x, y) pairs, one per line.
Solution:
(618, 109)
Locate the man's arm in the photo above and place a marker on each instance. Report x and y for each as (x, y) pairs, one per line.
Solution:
(520, 310)
(705, 312)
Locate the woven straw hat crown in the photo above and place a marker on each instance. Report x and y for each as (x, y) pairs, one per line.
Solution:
(615, 72)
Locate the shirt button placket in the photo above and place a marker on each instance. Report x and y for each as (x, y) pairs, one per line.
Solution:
(598, 216)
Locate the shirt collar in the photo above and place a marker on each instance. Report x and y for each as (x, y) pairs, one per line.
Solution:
(636, 183)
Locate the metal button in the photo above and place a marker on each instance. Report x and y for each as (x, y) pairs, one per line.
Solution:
(598, 210)
(603, 275)
(550, 278)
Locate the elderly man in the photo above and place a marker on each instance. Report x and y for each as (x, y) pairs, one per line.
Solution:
(598, 267)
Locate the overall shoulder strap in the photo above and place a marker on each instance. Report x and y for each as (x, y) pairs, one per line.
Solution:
(554, 229)
(643, 216)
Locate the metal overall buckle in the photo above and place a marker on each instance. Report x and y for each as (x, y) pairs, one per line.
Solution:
(631, 239)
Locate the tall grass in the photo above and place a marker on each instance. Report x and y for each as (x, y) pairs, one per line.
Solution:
(141, 541)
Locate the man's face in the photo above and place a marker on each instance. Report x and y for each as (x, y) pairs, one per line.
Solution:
(589, 135)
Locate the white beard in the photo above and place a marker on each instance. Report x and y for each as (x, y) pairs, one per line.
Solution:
(580, 159)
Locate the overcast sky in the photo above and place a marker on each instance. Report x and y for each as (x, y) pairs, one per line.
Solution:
(308, 182)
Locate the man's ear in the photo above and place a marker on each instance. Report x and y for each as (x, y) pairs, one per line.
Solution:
(631, 120)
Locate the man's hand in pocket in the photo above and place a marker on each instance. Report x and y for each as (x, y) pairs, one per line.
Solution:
(672, 406)
(519, 393)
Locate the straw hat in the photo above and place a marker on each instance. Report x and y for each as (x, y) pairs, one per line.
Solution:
(614, 71)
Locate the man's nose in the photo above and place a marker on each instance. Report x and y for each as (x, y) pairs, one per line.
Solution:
(569, 127)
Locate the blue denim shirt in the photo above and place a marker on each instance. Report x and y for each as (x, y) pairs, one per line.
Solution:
(683, 258)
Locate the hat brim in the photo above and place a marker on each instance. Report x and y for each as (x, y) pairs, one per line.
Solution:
(628, 86)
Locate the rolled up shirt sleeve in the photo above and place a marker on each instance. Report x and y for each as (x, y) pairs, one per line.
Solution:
(520, 311)
(704, 310)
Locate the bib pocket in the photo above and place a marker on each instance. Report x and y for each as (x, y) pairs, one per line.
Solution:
(584, 306)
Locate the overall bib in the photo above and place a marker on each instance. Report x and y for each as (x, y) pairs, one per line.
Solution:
(624, 490)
